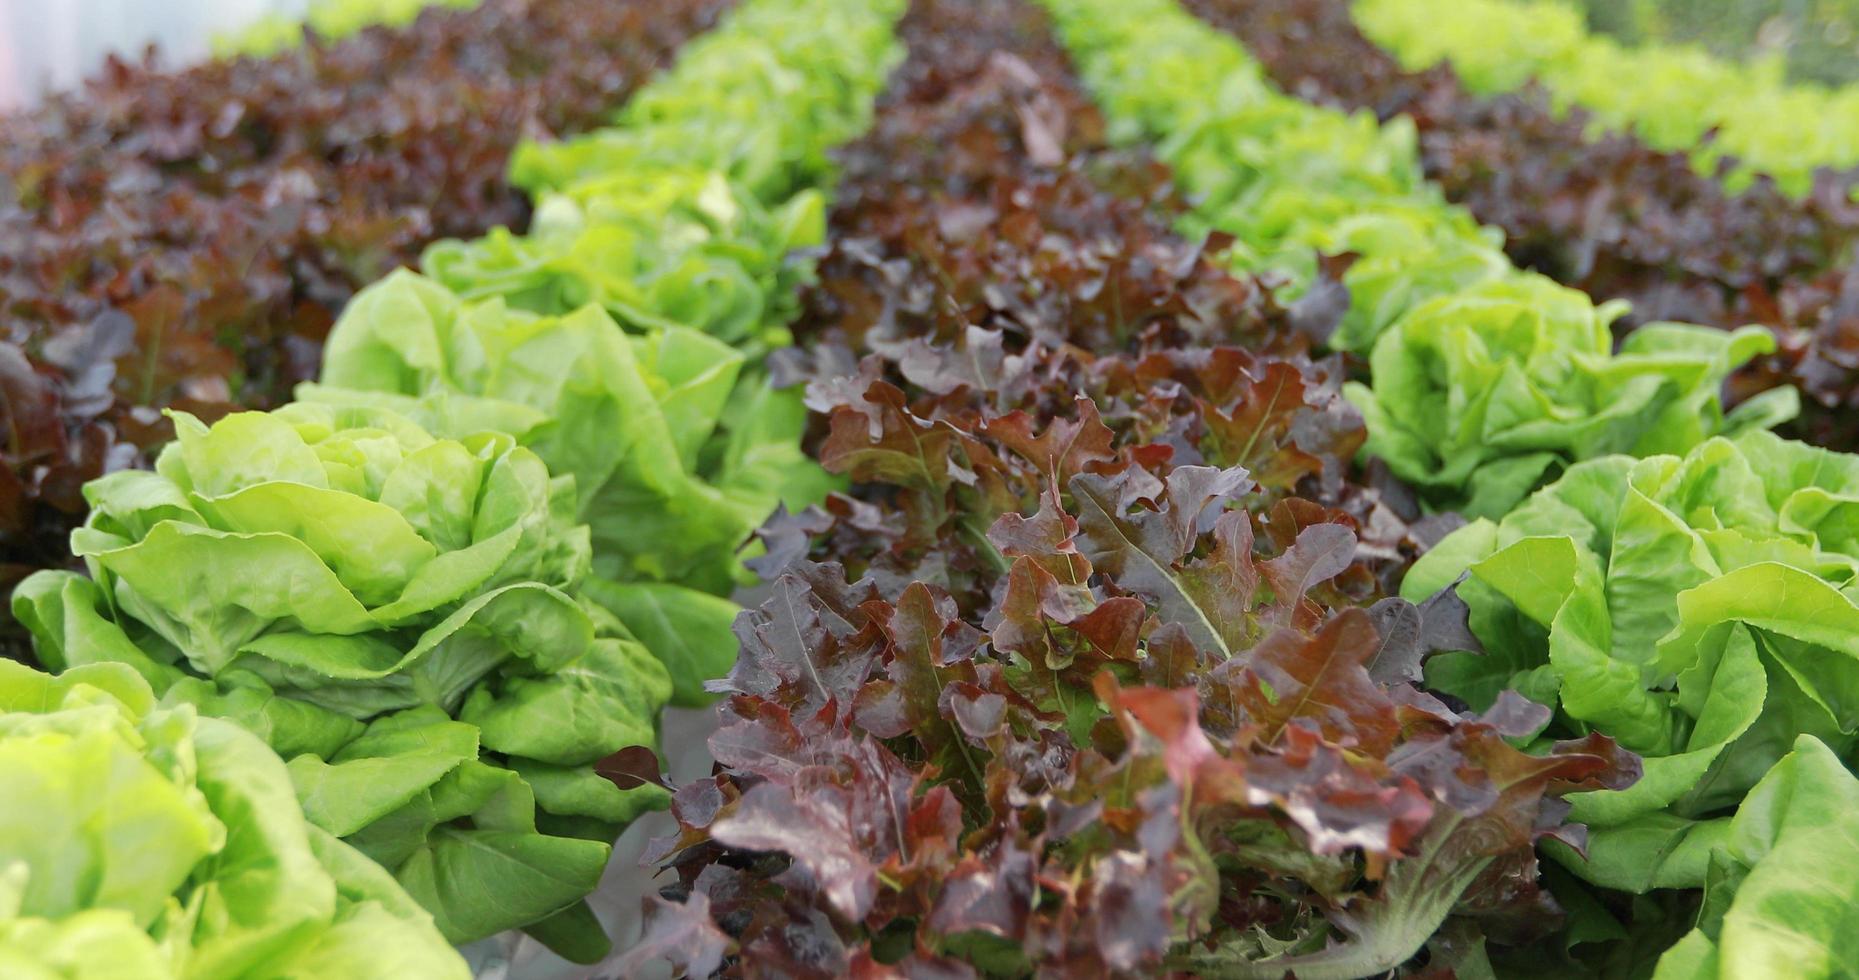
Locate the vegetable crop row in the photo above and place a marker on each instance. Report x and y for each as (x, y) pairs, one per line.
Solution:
(1115, 688)
(677, 223)
(1484, 381)
(1138, 637)
(1608, 214)
(393, 581)
(1691, 602)
(186, 238)
(1681, 99)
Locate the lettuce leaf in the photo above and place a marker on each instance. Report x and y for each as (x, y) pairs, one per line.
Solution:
(397, 614)
(147, 841)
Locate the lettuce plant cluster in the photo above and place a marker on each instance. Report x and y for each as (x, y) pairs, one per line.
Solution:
(1118, 621)
(185, 238)
(1699, 608)
(416, 582)
(1091, 672)
(396, 615)
(1692, 603)
(678, 446)
(1024, 697)
(686, 209)
(139, 839)
(1605, 213)
(1485, 380)
(1682, 98)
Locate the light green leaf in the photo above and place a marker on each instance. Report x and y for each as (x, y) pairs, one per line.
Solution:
(686, 630)
(478, 882)
(1784, 894)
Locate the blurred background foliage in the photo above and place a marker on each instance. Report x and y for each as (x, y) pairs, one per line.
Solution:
(53, 44)
(1817, 39)
(48, 45)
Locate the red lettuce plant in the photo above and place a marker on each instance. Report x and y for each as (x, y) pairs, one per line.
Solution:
(1094, 671)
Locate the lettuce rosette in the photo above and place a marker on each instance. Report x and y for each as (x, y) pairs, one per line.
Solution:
(398, 616)
(675, 460)
(1483, 395)
(1703, 610)
(140, 840)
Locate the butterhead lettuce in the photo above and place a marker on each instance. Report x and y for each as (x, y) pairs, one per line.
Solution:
(1700, 609)
(142, 840)
(1738, 117)
(1481, 395)
(693, 209)
(398, 616)
(689, 224)
(760, 100)
(675, 461)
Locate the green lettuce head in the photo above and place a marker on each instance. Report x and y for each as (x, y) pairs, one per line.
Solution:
(676, 455)
(145, 841)
(398, 616)
(1483, 395)
(1699, 609)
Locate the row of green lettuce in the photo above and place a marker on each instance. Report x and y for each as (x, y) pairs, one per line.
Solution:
(1671, 96)
(328, 19)
(1650, 569)
(1487, 380)
(456, 580)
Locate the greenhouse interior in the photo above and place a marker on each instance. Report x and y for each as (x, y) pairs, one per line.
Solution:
(892, 489)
